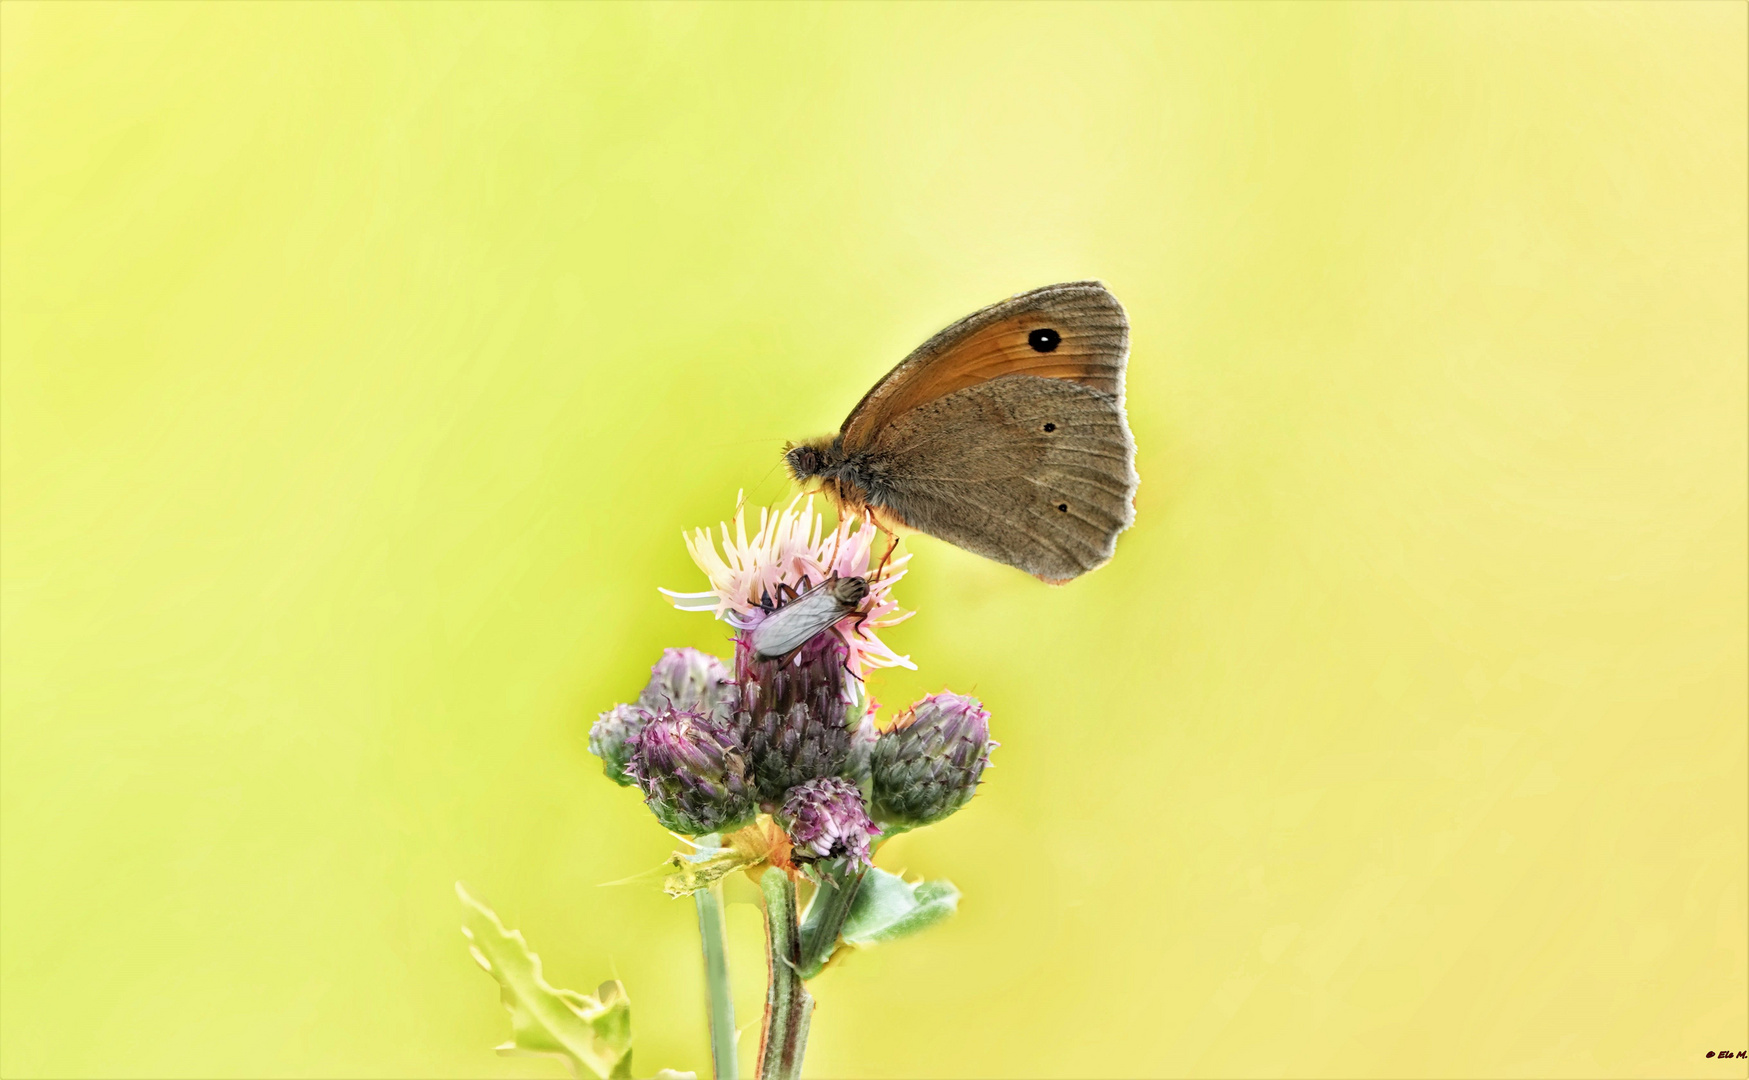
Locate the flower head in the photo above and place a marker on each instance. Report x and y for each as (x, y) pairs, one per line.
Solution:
(928, 764)
(683, 679)
(826, 819)
(691, 770)
(688, 679)
(610, 739)
(791, 551)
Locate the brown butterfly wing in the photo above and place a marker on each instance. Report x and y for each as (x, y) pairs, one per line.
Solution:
(1093, 345)
(978, 469)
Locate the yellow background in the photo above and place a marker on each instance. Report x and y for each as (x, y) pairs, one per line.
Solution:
(363, 364)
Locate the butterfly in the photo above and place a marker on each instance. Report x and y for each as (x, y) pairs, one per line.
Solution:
(1003, 434)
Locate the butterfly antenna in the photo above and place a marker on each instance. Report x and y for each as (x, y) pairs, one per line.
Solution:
(767, 476)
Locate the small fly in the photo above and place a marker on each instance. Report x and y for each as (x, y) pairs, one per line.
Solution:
(793, 624)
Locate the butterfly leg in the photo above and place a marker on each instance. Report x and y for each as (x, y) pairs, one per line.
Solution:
(837, 541)
(892, 545)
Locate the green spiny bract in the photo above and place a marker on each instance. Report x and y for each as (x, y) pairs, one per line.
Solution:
(927, 765)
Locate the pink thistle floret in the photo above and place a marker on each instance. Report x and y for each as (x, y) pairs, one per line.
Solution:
(793, 548)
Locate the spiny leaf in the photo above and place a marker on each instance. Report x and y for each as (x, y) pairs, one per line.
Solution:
(593, 1033)
(888, 908)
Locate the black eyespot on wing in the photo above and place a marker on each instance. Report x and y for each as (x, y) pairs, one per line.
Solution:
(1050, 427)
(1044, 340)
(1064, 507)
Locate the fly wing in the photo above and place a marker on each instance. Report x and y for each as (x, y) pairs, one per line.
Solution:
(795, 624)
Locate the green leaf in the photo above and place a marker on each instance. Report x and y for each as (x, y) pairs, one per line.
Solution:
(593, 1033)
(888, 908)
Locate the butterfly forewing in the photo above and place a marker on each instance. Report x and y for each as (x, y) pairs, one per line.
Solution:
(1075, 331)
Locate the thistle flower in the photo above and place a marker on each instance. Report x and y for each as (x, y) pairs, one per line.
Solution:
(610, 738)
(691, 770)
(927, 765)
(826, 819)
(788, 730)
(688, 679)
(793, 549)
(682, 679)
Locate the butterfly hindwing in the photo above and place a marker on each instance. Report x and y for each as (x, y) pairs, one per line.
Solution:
(1035, 472)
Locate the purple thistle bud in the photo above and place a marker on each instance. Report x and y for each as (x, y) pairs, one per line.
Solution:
(692, 773)
(688, 679)
(826, 819)
(794, 717)
(610, 737)
(928, 763)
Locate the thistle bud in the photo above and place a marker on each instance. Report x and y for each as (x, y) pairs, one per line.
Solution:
(692, 773)
(794, 716)
(826, 819)
(610, 736)
(928, 763)
(688, 679)
(862, 743)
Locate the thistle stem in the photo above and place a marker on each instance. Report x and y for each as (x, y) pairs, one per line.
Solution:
(721, 1002)
(839, 880)
(788, 1006)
